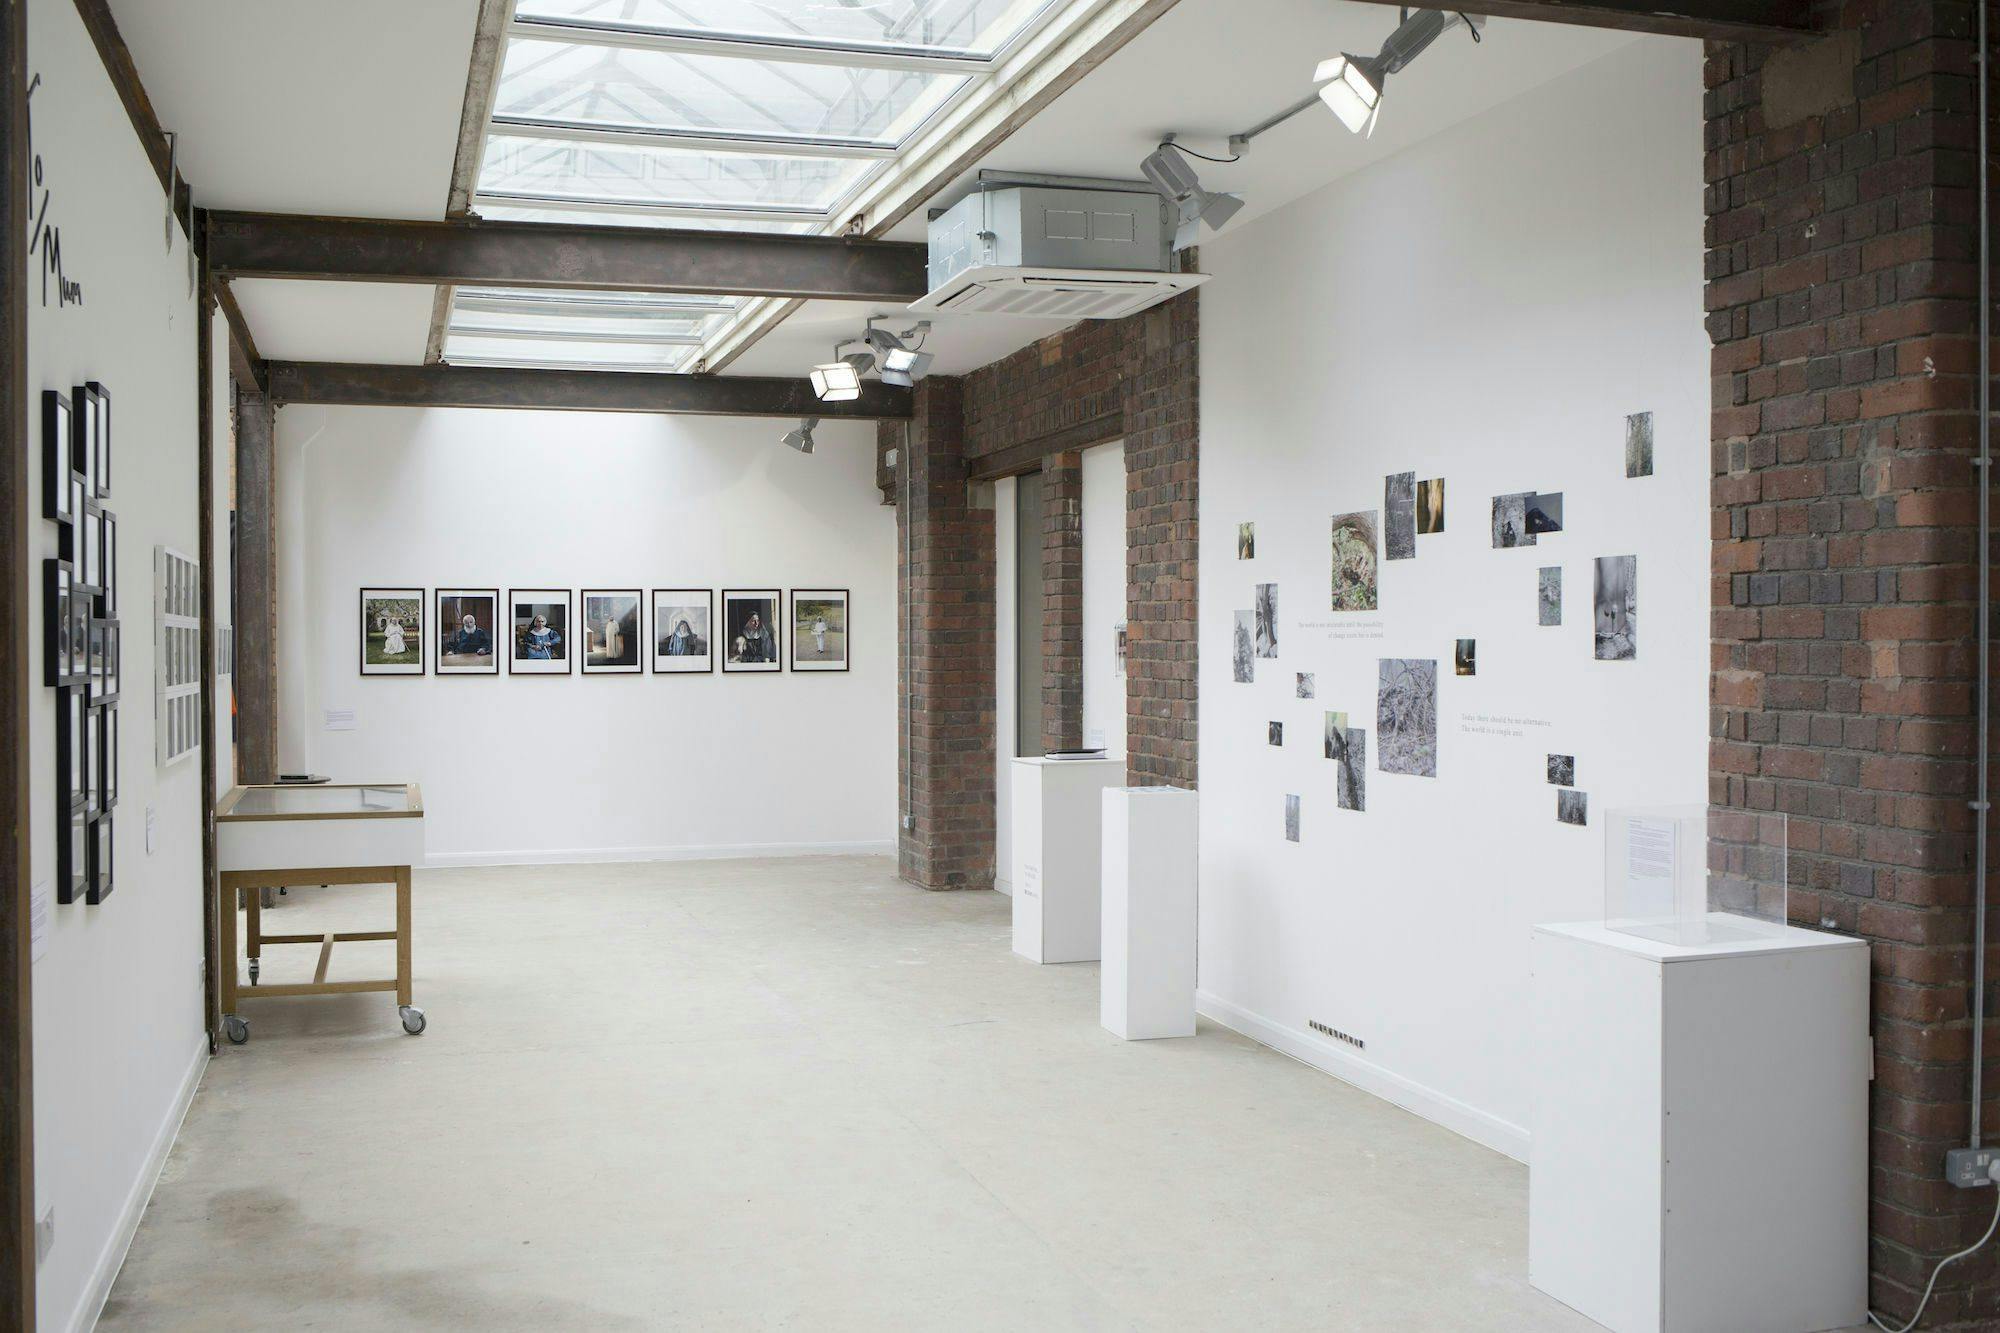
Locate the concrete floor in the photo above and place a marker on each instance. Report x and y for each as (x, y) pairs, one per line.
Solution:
(787, 1094)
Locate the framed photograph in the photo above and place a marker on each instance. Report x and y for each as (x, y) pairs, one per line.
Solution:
(83, 437)
(56, 495)
(80, 604)
(104, 680)
(104, 735)
(99, 884)
(819, 630)
(611, 630)
(69, 535)
(89, 562)
(750, 620)
(58, 618)
(538, 643)
(392, 631)
(107, 563)
(100, 439)
(72, 739)
(72, 854)
(466, 621)
(683, 630)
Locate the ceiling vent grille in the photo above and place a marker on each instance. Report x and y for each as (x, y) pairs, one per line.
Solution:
(1054, 293)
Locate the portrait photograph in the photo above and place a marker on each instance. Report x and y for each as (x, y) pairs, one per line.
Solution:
(819, 629)
(538, 632)
(392, 631)
(466, 620)
(611, 632)
(750, 630)
(683, 630)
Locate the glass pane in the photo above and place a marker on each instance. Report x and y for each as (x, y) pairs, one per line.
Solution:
(470, 349)
(979, 27)
(611, 86)
(322, 800)
(665, 175)
(473, 317)
(592, 217)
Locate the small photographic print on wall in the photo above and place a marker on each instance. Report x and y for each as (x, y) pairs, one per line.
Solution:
(1639, 445)
(1616, 599)
(1572, 807)
(1510, 521)
(1544, 513)
(1562, 770)
(1291, 819)
(1267, 620)
(1464, 657)
(1406, 735)
(468, 621)
(1308, 685)
(819, 629)
(1430, 505)
(1399, 516)
(1348, 748)
(392, 631)
(1549, 595)
(1275, 732)
(1353, 580)
(611, 631)
(1242, 654)
(683, 631)
(750, 630)
(538, 632)
(1246, 541)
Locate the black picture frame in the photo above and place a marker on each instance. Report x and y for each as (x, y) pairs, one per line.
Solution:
(81, 605)
(104, 735)
(107, 564)
(105, 662)
(562, 658)
(417, 634)
(730, 623)
(90, 549)
(68, 544)
(72, 854)
(58, 623)
(681, 664)
(83, 437)
(633, 638)
(100, 438)
(86, 776)
(463, 602)
(56, 493)
(103, 859)
(845, 629)
(72, 735)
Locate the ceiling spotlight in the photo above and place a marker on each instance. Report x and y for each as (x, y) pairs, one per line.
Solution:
(901, 364)
(802, 438)
(1174, 177)
(839, 380)
(1352, 85)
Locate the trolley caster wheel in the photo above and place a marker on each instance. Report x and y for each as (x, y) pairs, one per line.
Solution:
(413, 1018)
(253, 971)
(236, 1029)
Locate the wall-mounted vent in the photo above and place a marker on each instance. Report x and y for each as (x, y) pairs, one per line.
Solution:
(1053, 251)
(1336, 1034)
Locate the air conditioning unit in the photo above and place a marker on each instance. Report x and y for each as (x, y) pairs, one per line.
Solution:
(1054, 251)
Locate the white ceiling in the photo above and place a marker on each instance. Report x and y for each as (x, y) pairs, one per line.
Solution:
(367, 125)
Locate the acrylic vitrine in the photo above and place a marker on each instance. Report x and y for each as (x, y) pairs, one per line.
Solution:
(1694, 874)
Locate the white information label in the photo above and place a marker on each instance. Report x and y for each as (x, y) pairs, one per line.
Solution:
(1031, 882)
(340, 719)
(1649, 849)
(38, 921)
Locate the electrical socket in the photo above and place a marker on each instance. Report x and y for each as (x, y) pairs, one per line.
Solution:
(1970, 1168)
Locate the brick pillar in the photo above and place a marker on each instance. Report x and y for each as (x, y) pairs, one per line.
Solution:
(1062, 601)
(1162, 532)
(1841, 233)
(945, 557)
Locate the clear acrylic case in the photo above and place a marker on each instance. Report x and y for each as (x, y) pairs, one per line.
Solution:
(1694, 874)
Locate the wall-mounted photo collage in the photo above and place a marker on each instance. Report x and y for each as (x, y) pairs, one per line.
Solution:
(601, 631)
(81, 655)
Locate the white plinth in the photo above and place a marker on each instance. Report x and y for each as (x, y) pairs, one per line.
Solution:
(1699, 1132)
(1057, 809)
(1147, 979)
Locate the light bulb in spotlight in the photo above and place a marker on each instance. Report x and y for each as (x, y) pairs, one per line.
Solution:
(836, 382)
(1348, 88)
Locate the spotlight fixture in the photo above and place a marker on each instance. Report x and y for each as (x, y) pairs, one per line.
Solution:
(839, 380)
(1352, 85)
(802, 438)
(1174, 177)
(901, 364)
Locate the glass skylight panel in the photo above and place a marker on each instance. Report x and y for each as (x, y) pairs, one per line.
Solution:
(473, 349)
(475, 317)
(973, 27)
(664, 175)
(574, 297)
(619, 88)
(604, 217)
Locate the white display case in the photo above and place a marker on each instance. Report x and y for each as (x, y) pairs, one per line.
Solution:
(1695, 874)
(1058, 814)
(1147, 981)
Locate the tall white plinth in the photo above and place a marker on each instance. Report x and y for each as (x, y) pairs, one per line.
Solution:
(1147, 978)
(1699, 1132)
(1057, 809)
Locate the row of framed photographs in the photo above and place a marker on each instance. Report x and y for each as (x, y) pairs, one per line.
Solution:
(87, 772)
(536, 632)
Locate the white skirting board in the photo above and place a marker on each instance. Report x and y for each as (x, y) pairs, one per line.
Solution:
(569, 856)
(112, 1257)
(1489, 1131)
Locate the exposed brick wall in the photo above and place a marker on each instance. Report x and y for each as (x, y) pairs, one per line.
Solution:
(1138, 380)
(946, 637)
(1842, 304)
(1062, 601)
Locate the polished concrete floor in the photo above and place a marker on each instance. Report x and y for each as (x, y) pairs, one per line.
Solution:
(787, 1094)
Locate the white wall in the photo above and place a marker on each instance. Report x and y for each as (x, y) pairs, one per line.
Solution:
(117, 996)
(1487, 307)
(1103, 560)
(526, 768)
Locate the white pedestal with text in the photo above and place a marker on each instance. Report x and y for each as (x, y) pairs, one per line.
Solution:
(1147, 978)
(1057, 809)
(1699, 1131)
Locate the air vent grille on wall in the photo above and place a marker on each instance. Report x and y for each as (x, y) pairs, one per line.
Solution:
(1055, 293)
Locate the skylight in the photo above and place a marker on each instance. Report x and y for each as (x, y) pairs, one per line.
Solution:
(759, 115)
